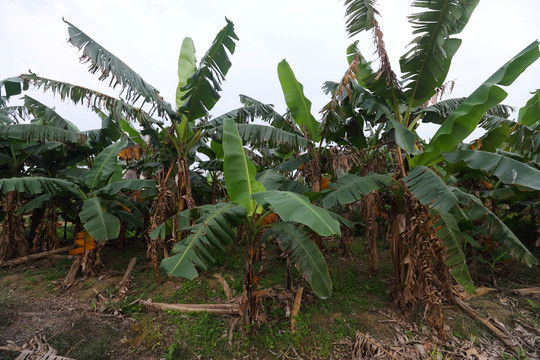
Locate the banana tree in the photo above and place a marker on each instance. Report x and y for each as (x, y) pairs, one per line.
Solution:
(38, 149)
(250, 204)
(428, 213)
(197, 92)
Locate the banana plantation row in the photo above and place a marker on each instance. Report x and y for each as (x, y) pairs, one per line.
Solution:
(190, 184)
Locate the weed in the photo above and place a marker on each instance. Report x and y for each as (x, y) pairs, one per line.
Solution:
(534, 306)
(202, 334)
(175, 352)
(57, 270)
(148, 334)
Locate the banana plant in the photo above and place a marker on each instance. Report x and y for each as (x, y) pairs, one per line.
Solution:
(250, 203)
(400, 105)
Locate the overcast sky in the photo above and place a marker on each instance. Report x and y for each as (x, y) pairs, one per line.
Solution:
(308, 33)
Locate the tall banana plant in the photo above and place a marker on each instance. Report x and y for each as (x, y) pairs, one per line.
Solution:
(197, 93)
(429, 194)
(250, 203)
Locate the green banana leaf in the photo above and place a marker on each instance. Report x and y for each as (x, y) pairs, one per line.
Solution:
(360, 16)
(297, 102)
(118, 109)
(36, 185)
(45, 147)
(404, 137)
(530, 113)
(211, 230)
(134, 135)
(294, 186)
(496, 227)
(270, 179)
(350, 188)
(295, 207)
(495, 137)
(303, 251)
(508, 170)
(99, 223)
(119, 73)
(464, 120)
(450, 235)
(105, 164)
(187, 64)
(46, 115)
(37, 132)
(36, 203)
(239, 171)
(166, 228)
(201, 91)
(429, 188)
(134, 184)
(426, 63)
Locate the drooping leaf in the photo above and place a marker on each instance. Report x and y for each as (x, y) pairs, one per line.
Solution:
(47, 116)
(496, 227)
(95, 100)
(36, 185)
(36, 132)
(350, 188)
(98, 222)
(118, 72)
(508, 170)
(302, 250)
(201, 91)
(210, 232)
(404, 137)
(263, 135)
(257, 135)
(297, 102)
(12, 86)
(449, 234)
(466, 117)
(239, 171)
(43, 147)
(36, 203)
(183, 219)
(429, 188)
(295, 207)
(187, 64)
(439, 112)
(134, 184)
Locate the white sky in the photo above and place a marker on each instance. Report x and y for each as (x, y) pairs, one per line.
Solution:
(308, 33)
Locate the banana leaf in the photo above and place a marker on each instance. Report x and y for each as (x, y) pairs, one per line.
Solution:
(98, 222)
(239, 171)
(303, 251)
(508, 170)
(211, 230)
(297, 102)
(295, 207)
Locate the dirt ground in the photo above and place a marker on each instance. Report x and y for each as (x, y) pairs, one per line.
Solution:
(34, 308)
